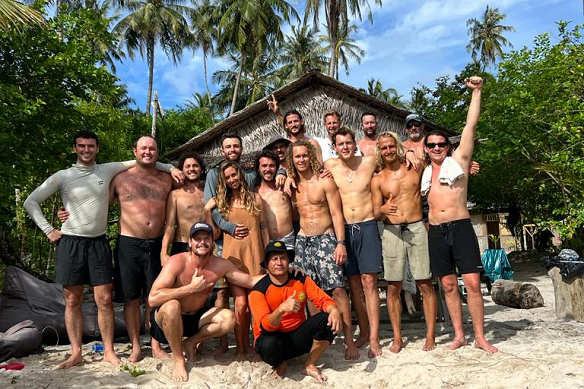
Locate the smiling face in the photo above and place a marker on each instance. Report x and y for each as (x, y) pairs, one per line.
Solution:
(437, 147)
(267, 169)
(301, 158)
(192, 169)
(388, 150)
(294, 125)
(332, 123)
(86, 150)
(146, 151)
(344, 146)
(201, 243)
(231, 149)
(369, 125)
(415, 130)
(279, 148)
(232, 178)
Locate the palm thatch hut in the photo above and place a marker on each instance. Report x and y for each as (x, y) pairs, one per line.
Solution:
(312, 95)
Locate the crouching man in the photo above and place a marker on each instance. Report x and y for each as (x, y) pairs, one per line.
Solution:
(183, 297)
(281, 328)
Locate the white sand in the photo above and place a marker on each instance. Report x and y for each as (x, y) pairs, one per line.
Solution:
(536, 351)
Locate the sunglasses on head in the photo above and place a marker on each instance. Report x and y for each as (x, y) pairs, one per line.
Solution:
(432, 145)
(413, 123)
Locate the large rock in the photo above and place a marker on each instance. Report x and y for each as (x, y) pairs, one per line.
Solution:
(569, 295)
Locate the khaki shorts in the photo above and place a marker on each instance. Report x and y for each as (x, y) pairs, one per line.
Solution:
(403, 242)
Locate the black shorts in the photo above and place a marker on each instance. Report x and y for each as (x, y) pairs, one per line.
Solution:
(137, 264)
(276, 347)
(179, 247)
(190, 322)
(364, 254)
(80, 261)
(452, 246)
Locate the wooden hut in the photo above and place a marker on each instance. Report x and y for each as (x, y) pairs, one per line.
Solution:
(312, 95)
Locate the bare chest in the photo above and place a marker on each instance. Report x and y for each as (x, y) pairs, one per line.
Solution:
(134, 187)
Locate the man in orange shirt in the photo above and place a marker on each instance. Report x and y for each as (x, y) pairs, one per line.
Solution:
(281, 329)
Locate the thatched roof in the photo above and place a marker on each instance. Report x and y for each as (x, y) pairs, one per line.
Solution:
(312, 95)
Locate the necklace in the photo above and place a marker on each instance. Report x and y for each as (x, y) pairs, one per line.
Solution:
(351, 176)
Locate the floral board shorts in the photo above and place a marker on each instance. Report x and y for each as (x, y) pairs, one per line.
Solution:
(314, 255)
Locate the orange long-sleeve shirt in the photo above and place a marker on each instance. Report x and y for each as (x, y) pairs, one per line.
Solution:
(266, 296)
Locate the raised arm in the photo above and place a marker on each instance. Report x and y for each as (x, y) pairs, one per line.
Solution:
(273, 106)
(163, 291)
(169, 228)
(336, 209)
(463, 153)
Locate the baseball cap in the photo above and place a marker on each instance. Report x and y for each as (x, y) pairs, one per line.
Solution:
(277, 247)
(200, 226)
(414, 116)
(274, 139)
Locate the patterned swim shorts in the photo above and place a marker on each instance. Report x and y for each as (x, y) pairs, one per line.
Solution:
(314, 255)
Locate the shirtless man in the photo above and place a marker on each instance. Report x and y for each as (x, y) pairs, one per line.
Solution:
(353, 176)
(182, 295)
(369, 128)
(184, 207)
(278, 145)
(321, 231)
(142, 192)
(451, 237)
(275, 203)
(395, 194)
(83, 254)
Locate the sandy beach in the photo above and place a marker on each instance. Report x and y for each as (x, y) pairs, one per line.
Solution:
(536, 351)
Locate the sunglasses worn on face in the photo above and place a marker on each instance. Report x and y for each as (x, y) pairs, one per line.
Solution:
(433, 145)
(413, 124)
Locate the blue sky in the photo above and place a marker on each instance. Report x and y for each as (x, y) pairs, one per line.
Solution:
(410, 42)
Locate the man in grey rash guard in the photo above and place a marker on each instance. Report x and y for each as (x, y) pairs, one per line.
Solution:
(83, 254)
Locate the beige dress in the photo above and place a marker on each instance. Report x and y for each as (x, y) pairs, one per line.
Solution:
(249, 250)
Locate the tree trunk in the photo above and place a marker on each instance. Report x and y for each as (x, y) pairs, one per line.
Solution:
(150, 55)
(569, 295)
(235, 90)
(205, 71)
(516, 294)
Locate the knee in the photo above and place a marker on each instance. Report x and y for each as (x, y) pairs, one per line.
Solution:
(227, 321)
(369, 282)
(449, 284)
(103, 300)
(427, 289)
(340, 294)
(170, 308)
(393, 291)
(472, 285)
(132, 304)
(73, 300)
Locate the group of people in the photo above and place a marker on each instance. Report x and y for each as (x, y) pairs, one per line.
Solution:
(334, 207)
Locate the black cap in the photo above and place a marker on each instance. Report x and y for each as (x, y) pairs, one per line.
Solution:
(274, 139)
(277, 247)
(200, 226)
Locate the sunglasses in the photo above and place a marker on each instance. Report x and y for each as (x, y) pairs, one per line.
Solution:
(413, 124)
(433, 145)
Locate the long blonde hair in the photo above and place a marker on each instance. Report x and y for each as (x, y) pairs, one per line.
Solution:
(398, 145)
(225, 195)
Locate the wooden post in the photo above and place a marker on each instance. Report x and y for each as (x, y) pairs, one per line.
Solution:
(569, 295)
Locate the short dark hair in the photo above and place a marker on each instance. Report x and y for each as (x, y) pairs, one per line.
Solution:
(230, 136)
(437, 133)
(191, 154)
(292, 112)
(368, 114)
(267, 154)
(85, 134)
(344, 131)
(145, 136)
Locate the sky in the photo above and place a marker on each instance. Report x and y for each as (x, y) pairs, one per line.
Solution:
(410, 42)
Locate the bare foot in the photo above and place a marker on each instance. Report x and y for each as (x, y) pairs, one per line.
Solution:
(280, 370)
(396, 346)
(374, 349)
(351, 353)
(429, 345)
(457, 343)
(136, 356)
(240, 357)
(312, 371)
(73, 360)
(361, 340)
(223, 347)
(179, 372)
(112, 358)
(159, 353)
(484, 345)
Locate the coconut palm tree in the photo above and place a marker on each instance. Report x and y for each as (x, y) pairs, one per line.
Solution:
(301, 52)
(486, 37)
(389, 95)
(204, 33)
(14, 15)
(151, 23)
(248, 27)
(337, 14)
(343, 50)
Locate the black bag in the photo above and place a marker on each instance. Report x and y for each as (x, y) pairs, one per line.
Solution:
(20, 340)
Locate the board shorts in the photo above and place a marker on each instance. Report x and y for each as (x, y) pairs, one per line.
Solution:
(406, 242)
(363, 248)
(276, 347)
(454, 245)
(137, 264)
(81, 260)
(190, 321)
(314, 255)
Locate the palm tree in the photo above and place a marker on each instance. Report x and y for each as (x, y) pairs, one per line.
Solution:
(344, 49)
(14, 15)
(248, 27)
(153, 22)
(486, 37)
(203, 29)
(301, 52)
(337, 13)
(389, 95)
